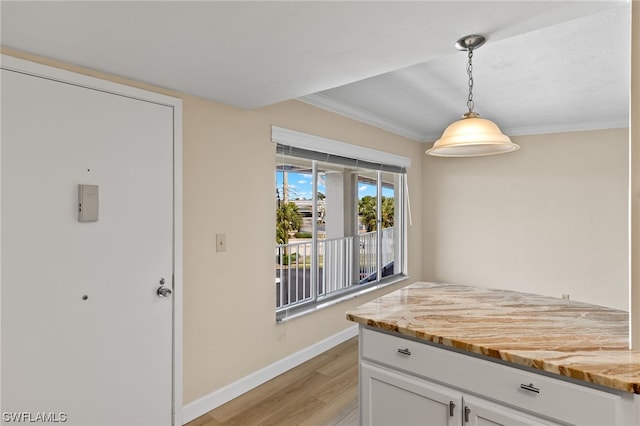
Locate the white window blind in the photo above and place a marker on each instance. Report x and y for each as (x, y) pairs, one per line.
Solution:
(292, 142)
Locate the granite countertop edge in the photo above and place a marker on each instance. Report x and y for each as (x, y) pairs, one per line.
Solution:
(470, 319)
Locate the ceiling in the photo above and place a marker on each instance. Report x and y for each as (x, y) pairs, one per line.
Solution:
(547, 66)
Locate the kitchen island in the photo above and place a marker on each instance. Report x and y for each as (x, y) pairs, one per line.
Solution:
(459, 354)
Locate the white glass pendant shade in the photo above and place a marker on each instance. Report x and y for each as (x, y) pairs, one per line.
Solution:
(472, 137)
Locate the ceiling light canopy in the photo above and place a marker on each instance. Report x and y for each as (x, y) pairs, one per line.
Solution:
(471, 136)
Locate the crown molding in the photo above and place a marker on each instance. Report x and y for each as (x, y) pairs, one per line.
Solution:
(564, 128)
(330, 104)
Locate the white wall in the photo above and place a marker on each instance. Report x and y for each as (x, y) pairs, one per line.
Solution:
(550, 218)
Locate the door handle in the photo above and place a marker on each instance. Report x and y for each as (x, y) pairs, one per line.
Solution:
(164, 291)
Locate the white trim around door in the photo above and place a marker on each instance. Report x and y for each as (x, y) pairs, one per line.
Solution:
(32, 68)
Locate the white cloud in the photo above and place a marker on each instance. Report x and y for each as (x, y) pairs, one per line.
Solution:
(302, 182)
(362, 188)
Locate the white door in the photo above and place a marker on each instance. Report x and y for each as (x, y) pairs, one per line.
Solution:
(85, 336)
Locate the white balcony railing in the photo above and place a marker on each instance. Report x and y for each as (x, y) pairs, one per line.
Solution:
(293, 274)
(336, 255)
(334, 271)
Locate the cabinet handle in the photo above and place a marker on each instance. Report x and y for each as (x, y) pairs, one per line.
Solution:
(405, 351)
(452, 405)
(530, 387)
(467, 411)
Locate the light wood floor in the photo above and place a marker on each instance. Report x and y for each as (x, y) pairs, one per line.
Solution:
(322, 391)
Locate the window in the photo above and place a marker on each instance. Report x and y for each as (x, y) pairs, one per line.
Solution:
(339, 221)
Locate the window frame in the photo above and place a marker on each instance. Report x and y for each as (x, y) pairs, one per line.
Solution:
(336, 152)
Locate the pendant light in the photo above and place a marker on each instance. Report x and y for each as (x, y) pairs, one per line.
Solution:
(472, 136)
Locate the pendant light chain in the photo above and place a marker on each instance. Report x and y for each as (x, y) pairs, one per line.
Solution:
(470, 72)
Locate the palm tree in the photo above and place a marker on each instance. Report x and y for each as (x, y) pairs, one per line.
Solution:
(288, 219)
(387, 212)
(367, 212)
(367, 207)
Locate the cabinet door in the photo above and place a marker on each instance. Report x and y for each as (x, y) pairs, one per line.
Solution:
(480, 412)
(391, 398)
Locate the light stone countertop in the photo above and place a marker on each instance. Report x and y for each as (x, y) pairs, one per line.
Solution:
(569, 338)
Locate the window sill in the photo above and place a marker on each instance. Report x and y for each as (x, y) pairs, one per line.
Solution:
(293, 313)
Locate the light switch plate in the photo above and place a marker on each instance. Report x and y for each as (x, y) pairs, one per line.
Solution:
(221, 242)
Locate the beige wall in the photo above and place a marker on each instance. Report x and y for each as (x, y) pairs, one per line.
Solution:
(550, 218)
(229, 187)
(230, 328)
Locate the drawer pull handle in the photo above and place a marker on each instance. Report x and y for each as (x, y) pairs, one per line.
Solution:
(452, 405)
(530, 387)
(405, 351)
(467, 411)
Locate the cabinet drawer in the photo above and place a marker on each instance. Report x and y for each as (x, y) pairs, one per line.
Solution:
(528, 391)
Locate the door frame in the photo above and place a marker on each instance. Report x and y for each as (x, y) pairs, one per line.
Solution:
(27, 67)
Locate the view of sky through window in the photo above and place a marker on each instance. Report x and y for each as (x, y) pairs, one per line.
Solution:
(300, 186)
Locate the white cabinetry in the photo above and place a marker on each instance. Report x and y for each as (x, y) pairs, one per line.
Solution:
(392, 398)
(406, 382)
(480, 412)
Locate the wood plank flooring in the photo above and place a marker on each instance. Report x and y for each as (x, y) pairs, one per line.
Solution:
(321, 392)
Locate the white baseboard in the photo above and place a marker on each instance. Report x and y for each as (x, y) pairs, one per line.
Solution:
(215, 399)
